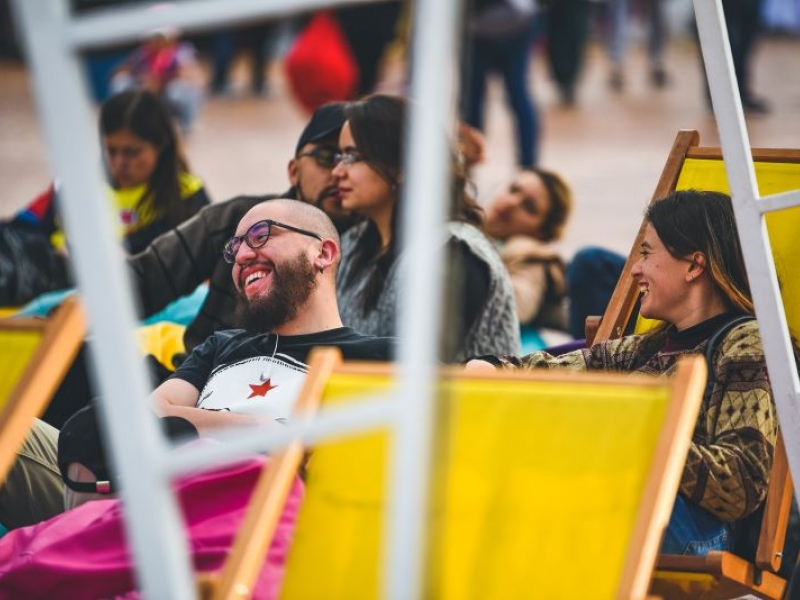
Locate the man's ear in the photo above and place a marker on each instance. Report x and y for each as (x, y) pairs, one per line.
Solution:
(291, 171)
(328, 255)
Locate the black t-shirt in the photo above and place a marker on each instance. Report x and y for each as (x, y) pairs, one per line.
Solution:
(262, 374)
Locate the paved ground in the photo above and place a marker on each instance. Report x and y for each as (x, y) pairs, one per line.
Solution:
(610, 146)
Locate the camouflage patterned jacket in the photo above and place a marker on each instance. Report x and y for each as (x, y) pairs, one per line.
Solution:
(730, 457)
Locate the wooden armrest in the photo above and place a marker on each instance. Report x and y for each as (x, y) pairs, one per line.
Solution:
(739, 576)
(775, 521)
(590, 329)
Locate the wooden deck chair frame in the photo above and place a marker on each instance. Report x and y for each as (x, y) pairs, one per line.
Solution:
(239, 573)
(736, 576)
(61, 338)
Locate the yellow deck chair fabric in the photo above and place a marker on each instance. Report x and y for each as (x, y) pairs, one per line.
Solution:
(6, 311)
(34, 356)
(546, 485)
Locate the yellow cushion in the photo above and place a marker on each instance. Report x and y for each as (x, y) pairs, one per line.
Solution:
(163, 340)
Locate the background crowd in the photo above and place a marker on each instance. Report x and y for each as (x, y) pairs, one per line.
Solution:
(509, 275)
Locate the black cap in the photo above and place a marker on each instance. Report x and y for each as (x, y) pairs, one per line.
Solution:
(326, 121)
(79, 441)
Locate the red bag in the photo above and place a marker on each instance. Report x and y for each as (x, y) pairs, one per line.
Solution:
(319, 66)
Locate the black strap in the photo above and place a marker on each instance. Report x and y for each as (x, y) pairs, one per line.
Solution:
(711, 348)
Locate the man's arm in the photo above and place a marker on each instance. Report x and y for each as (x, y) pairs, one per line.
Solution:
(178, 398)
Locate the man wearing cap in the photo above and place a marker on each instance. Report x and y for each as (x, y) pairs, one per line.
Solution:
(177, 262)
(284, 255)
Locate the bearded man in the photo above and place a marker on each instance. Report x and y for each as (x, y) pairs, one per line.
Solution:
(285, 254)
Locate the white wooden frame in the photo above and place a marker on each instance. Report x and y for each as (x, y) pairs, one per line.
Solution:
(53, 38)
(750, 209)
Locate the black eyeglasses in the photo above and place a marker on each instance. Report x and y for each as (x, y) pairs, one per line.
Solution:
(324, 156)
(257, 236)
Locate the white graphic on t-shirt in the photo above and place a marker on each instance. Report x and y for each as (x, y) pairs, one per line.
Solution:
(262, 385)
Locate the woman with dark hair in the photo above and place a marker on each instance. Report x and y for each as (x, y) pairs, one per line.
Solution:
(152, 187)
(370, 177)
(525, 217)
(149, 172)
(692, 277)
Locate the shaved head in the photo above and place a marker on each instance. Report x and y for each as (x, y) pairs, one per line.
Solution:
(301, 214)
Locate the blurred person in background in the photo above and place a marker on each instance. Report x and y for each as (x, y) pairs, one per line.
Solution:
(743, 21)
(151, 183)
(224, 46)
(167, 66)
(553, 296)
(567, 32)
(618, 25)
(525, 218)
(369, 29)
(500, 34)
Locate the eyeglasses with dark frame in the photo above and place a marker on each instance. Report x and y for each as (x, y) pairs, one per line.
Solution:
(258, 235)
(324, 156)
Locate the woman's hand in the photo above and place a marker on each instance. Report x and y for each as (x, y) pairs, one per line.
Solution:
(472, 144)
(479, 366)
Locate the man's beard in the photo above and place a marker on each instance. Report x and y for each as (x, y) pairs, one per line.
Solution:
(341, 219)
(292, 285)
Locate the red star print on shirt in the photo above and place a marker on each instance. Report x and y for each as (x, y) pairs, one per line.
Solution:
(261, 389)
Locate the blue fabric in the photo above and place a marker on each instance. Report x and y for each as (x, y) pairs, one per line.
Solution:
(42, 305)
(531, 340)
(182, 311)
(695, 531)
(592, 276)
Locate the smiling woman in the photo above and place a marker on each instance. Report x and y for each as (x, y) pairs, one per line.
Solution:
(691, 274)
(524, 218)
(370, 178)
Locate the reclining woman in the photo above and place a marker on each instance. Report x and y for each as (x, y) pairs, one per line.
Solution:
(370, 180)
(526, 218)
(692, 277)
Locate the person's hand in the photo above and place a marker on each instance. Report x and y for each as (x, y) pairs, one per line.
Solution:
(476, 366)
(472, 144)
